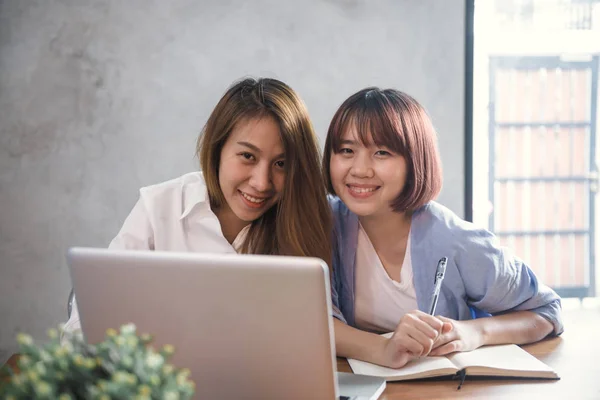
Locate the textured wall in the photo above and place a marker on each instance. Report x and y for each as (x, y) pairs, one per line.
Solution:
(100, 97)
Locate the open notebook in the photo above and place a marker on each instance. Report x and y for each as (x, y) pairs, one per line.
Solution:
(508, 361)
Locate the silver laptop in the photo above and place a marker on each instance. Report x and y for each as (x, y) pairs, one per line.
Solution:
(247, 326)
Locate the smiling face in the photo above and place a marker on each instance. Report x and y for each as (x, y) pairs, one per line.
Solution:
(381, 153)
(251, 170)
(366, 177)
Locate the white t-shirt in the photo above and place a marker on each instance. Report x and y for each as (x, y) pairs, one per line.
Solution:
(381, 301)
(171, 216)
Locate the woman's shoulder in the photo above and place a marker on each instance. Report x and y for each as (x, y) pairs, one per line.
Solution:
(439, 213)
(339, 210)
(179, 184)
(435, 218)
(345, 222)
(335, 203)
(181, 193)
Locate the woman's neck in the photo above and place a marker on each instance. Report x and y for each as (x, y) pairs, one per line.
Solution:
(231, 225)
(387, 231)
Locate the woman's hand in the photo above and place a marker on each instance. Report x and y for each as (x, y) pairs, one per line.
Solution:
(414, 337)
(461, 336)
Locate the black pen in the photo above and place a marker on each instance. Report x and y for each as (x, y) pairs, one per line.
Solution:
(440, 272)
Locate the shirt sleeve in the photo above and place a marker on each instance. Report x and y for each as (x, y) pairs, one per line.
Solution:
(336, 259)
(498, 282)
(73, 324)
(335, 300)
(136, 234)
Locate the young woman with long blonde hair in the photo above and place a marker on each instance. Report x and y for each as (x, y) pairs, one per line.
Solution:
(260, 189)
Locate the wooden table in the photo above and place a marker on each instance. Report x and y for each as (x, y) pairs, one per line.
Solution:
(575, 356)
(12, 362)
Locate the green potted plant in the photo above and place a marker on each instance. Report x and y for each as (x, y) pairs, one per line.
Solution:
(123, 366)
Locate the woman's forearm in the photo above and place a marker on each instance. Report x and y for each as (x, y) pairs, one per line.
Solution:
(354, 343)
(518, 327)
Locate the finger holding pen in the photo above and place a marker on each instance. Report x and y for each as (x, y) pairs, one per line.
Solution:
(414, 337)
(417, 332)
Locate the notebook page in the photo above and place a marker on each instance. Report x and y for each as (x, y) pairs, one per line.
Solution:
(508, 357)
(421, 368)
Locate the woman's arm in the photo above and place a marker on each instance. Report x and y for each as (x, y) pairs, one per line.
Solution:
(354, 343)
(519, 327)
(501, 284)
(497, 282)
(136, 234)
(73, 325)
(414, 337)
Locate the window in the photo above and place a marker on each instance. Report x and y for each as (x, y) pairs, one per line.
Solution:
(535, 119)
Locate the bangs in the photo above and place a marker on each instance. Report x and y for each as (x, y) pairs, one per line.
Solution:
(374, 121)
(396, 121)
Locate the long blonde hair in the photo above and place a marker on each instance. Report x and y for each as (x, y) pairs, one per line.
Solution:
(300, 223)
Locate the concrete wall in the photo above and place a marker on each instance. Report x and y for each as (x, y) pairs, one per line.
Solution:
(98, 98)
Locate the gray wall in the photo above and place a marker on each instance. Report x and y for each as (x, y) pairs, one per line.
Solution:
(98, 98)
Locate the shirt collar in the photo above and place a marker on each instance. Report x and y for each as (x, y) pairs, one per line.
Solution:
(194, 194)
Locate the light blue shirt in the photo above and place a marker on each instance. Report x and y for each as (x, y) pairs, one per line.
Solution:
(482, 278)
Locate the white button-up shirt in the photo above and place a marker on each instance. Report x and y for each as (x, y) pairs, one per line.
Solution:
(171, 216)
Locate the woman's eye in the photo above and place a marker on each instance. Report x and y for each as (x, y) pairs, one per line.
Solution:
(247, 156)
(280, 164)
(382, 153)
(345, 150)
